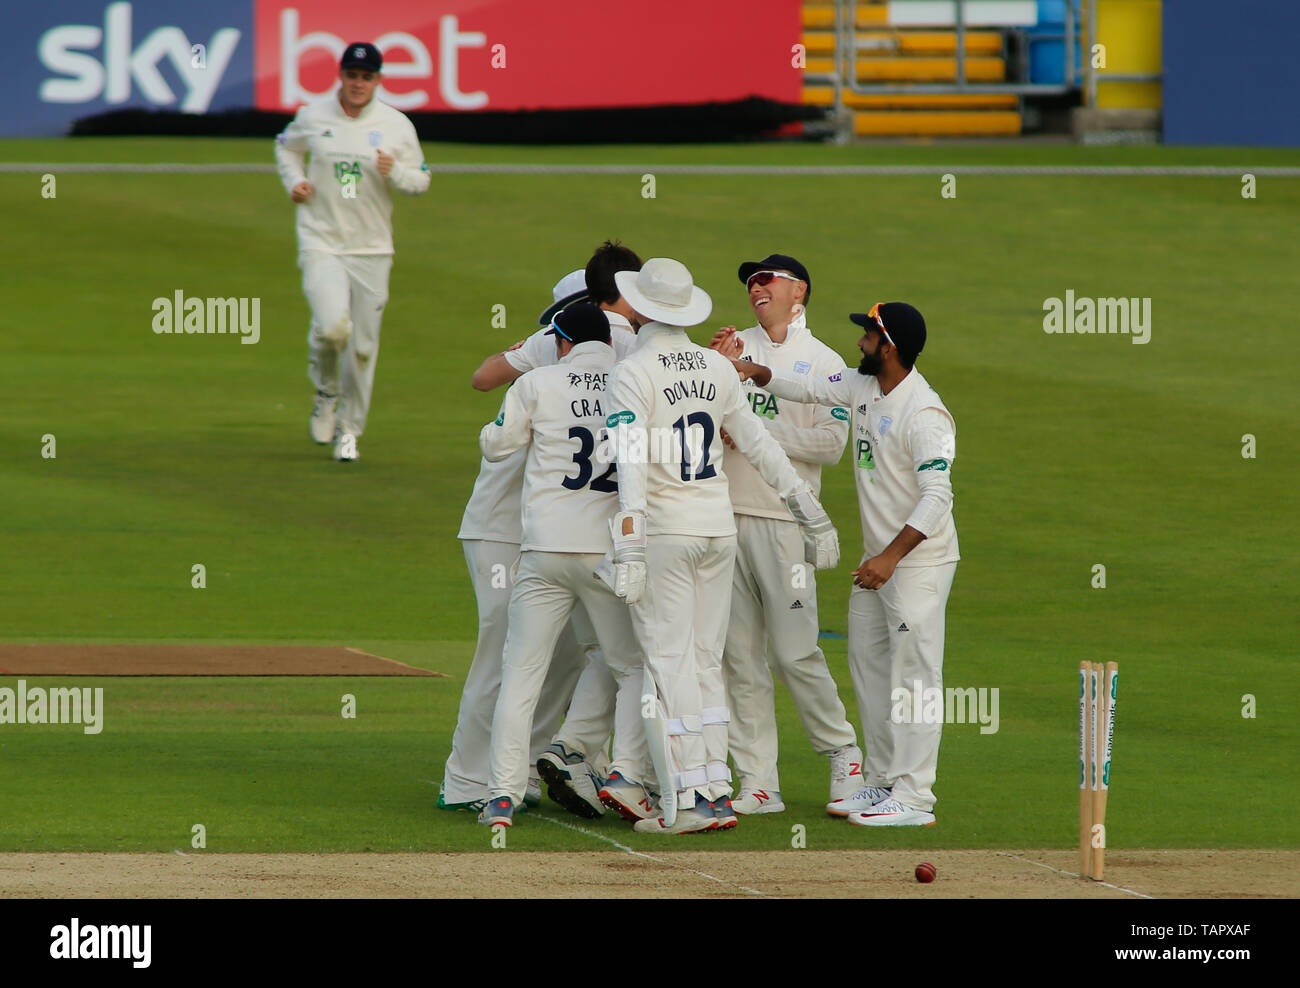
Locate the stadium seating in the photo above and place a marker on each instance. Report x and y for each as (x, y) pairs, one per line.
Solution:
(891, 53)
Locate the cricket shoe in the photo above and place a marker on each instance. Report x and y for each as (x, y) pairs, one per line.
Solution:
(860, 801)
(474, 805)
(752, 802)
(724, 811)
(630, 800)
(322, 417)
(571, 782)
(892, 813)
(499, 812)
(698, 820)
(345, 447)
(846, 771)
(533, 794)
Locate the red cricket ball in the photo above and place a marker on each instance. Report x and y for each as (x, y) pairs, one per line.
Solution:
(925, 872)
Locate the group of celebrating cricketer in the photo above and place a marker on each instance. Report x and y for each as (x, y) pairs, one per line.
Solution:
(645, 525)
(642, 538)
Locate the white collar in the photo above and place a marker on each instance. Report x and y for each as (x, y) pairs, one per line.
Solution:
(365, 113)
(589, 352)
(617, 320)
(655, 330)
(798, 326)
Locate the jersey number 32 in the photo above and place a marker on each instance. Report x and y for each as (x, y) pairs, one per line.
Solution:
(605, 483)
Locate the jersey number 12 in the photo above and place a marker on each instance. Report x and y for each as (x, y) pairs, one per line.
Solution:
(682, 426)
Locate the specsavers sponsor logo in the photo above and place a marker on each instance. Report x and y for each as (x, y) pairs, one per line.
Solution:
(624, 417)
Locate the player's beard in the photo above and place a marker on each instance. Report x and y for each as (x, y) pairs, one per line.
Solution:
(871, 364)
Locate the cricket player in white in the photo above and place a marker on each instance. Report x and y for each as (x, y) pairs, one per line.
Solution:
(570, 491)
(490, 532)
(904, 443)
(338, 159)
(774, 592)
(675, 537)
(574, 764)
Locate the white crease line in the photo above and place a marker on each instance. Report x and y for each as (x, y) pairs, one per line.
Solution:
(1071, 874)
(641, 854)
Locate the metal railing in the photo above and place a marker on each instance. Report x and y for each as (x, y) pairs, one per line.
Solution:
(847, 47)
(1091, 76)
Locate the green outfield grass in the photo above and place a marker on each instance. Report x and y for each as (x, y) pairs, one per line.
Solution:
(1072, 451)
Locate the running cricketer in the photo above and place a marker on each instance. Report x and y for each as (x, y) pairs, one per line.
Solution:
(774, 592)
(557, 414)
(904, 443)
(338, 160)
(675, 535)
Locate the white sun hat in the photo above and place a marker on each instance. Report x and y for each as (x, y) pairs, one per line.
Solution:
(664, 291)
(569, 289)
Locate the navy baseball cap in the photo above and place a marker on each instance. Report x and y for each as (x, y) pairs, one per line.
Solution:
(777, 262)
(903, 324)
(361, 55)
(581, 322)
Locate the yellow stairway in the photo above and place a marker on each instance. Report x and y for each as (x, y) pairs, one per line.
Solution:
(890, 55)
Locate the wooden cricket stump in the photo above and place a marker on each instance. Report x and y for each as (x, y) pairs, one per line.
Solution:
(1098, 685)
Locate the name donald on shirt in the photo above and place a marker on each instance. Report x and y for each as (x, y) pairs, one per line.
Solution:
(704, 390)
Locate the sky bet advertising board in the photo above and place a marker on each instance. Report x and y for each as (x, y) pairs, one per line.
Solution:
(77, 58)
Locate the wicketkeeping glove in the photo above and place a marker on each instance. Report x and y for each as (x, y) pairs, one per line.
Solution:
(821, 543)
(628, 579)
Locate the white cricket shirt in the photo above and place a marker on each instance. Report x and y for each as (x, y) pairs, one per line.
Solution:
(810, 434)
(350, 211)
(539, 349)
(492, 513)
(558, 414)
(669, 397)
(903, 446)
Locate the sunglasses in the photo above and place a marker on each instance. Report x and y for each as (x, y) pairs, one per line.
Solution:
(767, 277)
(875, 314)
(557, 329)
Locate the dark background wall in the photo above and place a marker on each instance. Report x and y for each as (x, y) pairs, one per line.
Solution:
(1232, 72)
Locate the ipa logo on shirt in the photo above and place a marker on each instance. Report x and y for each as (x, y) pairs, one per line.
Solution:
(763, 404)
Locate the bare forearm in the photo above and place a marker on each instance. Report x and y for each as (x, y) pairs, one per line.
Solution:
(904, 542)
(875, 572)
(493, 372)
(761, 376)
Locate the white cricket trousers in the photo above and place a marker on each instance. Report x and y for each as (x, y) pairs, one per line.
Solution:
(681, 621)
(600, 700)
(346, 294)
(468, 774)
(774, 620)
(895, 641)
(546, 590)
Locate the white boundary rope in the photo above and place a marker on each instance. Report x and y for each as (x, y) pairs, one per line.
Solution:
(1099, 171)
